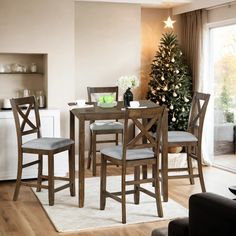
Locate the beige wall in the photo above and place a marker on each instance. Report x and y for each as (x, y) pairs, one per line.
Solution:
(45, 26)
(152, 29)
(107, 43)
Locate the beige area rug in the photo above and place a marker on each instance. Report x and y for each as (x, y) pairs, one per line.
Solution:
(67, 216)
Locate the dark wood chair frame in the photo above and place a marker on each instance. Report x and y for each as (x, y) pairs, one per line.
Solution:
(144, 139)
(30, 104)
(193, 149)
(93, 134)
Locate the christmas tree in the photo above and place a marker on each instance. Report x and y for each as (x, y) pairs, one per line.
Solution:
(171, 83)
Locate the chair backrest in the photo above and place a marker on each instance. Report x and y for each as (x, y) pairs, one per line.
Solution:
(144, 119)
(102, 90)
(197, 114)
(26, 116)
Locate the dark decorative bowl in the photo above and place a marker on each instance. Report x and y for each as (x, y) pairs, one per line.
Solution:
(232, 189)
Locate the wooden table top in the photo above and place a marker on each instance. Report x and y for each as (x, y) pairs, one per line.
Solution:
(97, 112)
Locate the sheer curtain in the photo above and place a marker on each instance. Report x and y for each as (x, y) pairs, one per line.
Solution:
(194, 44)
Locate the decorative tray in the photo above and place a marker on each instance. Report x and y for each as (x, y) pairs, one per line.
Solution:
(107, 105)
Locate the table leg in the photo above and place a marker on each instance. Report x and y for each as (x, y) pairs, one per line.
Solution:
(81, 160)
(164, 157)
(72, 126)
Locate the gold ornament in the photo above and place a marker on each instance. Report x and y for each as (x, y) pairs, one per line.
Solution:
(171, 107)
(174, 94)
(186, 99)
(173, 118)
(163, 99)
(165, 88)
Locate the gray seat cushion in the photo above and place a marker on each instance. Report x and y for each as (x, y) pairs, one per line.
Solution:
(47, 143)
(106, 125)
(131, 154)
(181, 136)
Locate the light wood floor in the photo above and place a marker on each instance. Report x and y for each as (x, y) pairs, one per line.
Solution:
(226, 161)
(27, 218)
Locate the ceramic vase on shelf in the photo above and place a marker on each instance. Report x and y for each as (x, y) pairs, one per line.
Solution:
(128, 96)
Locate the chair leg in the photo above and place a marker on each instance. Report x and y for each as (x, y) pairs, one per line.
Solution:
(199, 164)
(71, 158)
(123, 195)
(103, 183)
(94, 140)
(190, 166)
(136, 186)
(153, 174)
(40, 172)
(51, 179)
(117, 139)
(144, 171)
(19, 175)
(90, 151)
(158, 192)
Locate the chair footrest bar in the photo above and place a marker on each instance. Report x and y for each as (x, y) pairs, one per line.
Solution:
(182, 176)
(106, 141)
(30, 164)
(56, 178)
(141, 181)
(126, 192)
(34, 185)
(177, 169)
(62, 187)
(147, 192)
(193, 156)
(107, 194)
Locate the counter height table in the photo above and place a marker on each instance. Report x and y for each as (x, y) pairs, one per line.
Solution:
(117, 112)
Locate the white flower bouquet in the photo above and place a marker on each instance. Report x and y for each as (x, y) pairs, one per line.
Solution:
(128, 81)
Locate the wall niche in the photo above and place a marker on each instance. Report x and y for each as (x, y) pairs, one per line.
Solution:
(22, 72)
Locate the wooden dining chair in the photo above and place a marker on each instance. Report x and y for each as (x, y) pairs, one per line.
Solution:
(191, 139)
(135, 153)
(27, 121)
(103, 127)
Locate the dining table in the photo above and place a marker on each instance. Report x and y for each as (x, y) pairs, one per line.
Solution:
(92, 112)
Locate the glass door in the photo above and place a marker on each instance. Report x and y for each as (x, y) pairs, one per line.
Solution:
(223, 58)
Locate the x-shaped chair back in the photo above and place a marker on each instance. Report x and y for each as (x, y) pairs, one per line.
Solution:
(26, 114)
(197, 114)
(143, 119)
